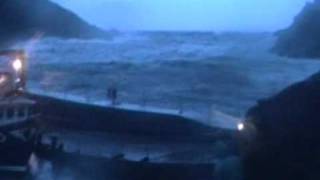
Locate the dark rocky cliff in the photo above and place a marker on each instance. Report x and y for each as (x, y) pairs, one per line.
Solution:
(302, 38)
(25, 18)
(283, 134)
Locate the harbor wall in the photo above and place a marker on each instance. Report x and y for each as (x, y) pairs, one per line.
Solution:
(67, 114)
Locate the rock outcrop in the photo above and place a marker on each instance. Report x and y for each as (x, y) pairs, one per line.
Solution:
(282, 135)
(25, 18)
(302, 38)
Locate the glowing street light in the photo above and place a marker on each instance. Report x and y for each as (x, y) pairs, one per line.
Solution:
(17, 65)
(240, 126)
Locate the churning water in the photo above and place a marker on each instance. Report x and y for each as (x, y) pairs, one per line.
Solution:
(177, 70)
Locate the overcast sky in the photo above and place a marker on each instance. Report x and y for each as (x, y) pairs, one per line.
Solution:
(212, 15)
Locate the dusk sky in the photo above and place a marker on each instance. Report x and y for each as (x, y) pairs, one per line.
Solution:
(203, 15)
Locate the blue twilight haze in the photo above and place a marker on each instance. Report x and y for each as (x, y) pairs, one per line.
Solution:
(212, 15)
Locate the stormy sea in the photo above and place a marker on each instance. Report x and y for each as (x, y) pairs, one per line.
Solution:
(193, 72)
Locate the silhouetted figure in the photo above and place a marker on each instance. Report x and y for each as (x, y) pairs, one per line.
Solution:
(113, 95)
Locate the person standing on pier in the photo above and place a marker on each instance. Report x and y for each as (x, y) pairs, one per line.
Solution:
(112, 95)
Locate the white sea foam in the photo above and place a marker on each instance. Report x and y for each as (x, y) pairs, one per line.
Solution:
(185, 72)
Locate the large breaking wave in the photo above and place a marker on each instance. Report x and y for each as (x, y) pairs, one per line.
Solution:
(190, 71)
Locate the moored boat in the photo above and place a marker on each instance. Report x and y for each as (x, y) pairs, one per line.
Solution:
(15, 113)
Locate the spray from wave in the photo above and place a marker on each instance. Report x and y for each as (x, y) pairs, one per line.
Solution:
(190, 71)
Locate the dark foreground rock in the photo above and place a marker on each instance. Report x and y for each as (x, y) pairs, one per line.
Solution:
(282, 135)
(302, 38)
(27, 18)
